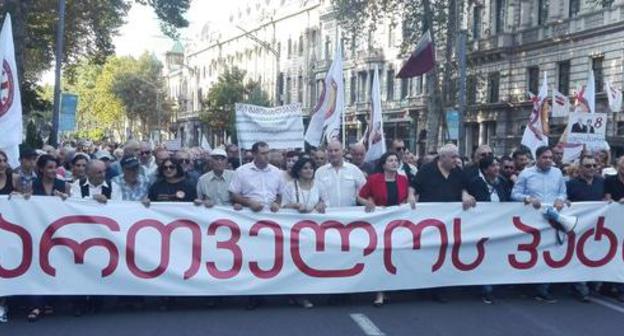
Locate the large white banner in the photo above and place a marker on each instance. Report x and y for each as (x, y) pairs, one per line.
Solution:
(281, 127)
(48, 246)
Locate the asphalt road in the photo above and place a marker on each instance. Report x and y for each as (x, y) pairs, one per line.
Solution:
(408, 313)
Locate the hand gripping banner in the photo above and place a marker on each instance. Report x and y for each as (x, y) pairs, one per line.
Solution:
(74, 247)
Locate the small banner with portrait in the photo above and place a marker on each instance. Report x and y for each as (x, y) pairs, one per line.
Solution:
(588, 129)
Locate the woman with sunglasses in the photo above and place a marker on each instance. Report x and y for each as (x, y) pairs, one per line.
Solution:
(172, 185)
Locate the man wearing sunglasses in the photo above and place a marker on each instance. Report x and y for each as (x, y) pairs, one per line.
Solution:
(184, 157)
(146, 158)
(588, 186)
(482, 152)
(398, 146)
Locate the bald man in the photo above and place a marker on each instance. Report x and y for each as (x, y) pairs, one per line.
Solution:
(95, 186)
(339, 181)
(358, 153)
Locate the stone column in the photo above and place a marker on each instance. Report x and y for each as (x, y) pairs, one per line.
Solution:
(482, 133)
(555, 10)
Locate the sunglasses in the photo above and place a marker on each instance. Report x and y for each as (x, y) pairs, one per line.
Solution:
(169, 167)
(146, 152)
(187, 161)
(399, 148)
(508, 167)
(590, 165)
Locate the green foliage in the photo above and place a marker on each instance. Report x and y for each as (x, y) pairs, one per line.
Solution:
(89, 29)
(219, 112)
(33, 139)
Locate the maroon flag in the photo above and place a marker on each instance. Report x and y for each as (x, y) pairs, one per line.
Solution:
(422, 59)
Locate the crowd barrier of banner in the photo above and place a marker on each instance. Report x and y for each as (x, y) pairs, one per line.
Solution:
(49, 246)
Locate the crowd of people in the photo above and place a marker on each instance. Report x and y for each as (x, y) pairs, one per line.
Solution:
(261, 178)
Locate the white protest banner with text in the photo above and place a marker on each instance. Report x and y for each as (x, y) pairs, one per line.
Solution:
(77, 247)
(281, 127)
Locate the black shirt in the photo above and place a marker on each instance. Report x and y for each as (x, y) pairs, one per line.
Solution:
(163, 191)
(579, 191)
(432, 186)
(8, 185)
(614, 186)
(393, 193)
(38, 189)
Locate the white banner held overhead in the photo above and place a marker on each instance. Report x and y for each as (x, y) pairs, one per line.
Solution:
(79, 247)
(281, 127)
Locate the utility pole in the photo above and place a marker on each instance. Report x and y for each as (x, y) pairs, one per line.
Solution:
(462, 31)
(60, 32)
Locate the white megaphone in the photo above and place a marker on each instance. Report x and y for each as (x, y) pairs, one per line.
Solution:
(567, 223)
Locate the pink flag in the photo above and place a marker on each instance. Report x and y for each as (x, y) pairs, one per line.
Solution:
(422, 59)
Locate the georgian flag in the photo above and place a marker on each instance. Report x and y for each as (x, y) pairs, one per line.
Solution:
(615, 97)
(560, 104)
(10, 97)
(536, 133)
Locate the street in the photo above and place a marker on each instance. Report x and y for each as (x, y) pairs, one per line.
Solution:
(407, 313)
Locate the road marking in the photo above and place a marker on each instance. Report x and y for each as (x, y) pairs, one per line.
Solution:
(369, 328)
(607, 304)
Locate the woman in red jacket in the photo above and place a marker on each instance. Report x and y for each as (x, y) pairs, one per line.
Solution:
(386, 188)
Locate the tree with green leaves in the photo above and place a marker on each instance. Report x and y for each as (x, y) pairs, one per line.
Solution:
(416, 16)
(218, 112)
(89, 29)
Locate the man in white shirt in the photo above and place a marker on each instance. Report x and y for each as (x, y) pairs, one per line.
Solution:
(258, 184)
(339, 181)
(95, 185)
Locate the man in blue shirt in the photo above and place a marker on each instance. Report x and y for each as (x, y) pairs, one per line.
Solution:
(537, 184)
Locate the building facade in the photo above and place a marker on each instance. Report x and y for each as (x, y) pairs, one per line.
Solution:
(288, 45)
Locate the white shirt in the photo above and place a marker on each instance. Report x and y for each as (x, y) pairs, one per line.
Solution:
(295, 194)
(76, 191)
(262, 185)
(339, 187)
(215, 188)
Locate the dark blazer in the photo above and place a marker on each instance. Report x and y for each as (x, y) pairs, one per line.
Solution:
(478, 188)
(375, 187)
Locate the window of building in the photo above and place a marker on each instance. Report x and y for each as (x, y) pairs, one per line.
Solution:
(533, 79)
(598, 76)
(404, 88)
(312, 90)
(620, 128)
(419, 84)
(563, 84)
(327, 48)
(390, 84)
(301, 45)
(280, 88)
(362, 86)
(353, 88)
(542, 12)
(493, 87)
(476, 22)
(471, 90)
(300, 89)
(288, 89)
(500, 16)
(575, 7)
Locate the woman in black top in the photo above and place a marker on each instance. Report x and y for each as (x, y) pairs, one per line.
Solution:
(172, 184)
(6, 182)
(47, 184)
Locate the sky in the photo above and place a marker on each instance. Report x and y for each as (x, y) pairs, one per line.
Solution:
(142, 31)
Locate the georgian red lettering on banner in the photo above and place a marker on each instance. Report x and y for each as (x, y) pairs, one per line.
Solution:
(27, 250)
(531, 248)
(279, 249)
(457, 241)
(79, 249)
(165, 242)
(599, 231)
(416, 233)
(319, 230)
(231, 245)
(571, 239)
